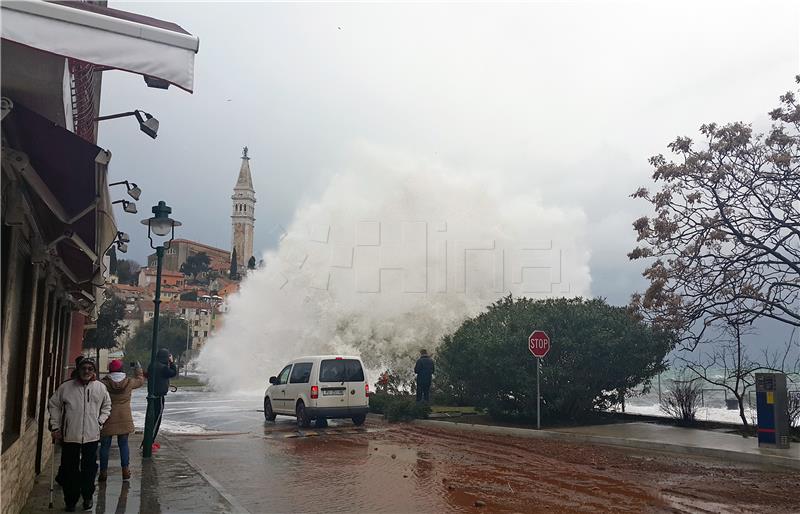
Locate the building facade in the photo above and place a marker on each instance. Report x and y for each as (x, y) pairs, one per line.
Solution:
(243, 215)
(147, 279)
(57, 218)
(181, 249)
(202, 316)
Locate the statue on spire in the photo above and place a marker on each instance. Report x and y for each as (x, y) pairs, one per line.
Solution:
(244, 153)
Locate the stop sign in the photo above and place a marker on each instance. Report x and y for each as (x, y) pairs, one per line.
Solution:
(539, 343)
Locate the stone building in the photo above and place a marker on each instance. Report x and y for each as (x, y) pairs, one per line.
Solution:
(181, 249)
(128, 294)
(243, 216)
(57, 219)
(202, 317)
(147, 279)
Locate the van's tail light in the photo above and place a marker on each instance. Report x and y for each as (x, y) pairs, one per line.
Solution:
(366, 390)
(314, 392)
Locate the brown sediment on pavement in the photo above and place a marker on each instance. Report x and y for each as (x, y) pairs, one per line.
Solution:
(406, 468)
(557, 476)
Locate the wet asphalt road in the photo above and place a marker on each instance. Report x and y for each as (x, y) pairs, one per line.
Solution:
(274, 467)
(261, 466)
(190, 411)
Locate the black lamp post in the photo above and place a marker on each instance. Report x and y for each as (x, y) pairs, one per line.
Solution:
(162, 226)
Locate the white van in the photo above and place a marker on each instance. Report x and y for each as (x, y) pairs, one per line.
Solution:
(319, 388)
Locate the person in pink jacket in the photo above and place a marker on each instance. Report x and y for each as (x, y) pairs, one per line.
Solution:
(120, 423)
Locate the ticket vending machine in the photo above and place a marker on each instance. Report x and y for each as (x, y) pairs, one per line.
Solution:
(771, 405)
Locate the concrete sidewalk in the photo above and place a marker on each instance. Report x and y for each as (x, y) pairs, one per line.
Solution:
(166, 483)
(651, 436)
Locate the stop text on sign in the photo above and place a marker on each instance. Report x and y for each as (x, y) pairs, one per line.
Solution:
(539, 343)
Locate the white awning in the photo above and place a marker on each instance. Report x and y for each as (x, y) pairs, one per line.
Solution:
(104, 37)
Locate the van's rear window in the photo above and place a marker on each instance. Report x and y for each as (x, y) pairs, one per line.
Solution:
(341, 370)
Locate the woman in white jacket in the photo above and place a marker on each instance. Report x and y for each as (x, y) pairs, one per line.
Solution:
(78, 409)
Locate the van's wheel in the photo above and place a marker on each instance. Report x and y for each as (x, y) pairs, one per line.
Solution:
(358, 419)
(268, 414)
(303, 421)
(321, 422)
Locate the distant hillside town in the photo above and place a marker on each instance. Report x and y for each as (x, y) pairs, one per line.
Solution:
(196, 279)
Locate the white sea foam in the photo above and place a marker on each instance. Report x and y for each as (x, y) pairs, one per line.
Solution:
(719, 414)
(170, 426)
(393, 255)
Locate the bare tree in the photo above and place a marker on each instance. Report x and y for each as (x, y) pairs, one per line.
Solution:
(730, 367)
(794, 409)
(725, 237)
(729, 357)
(682, 399)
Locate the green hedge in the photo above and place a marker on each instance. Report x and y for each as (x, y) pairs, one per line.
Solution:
(598, 353)
(398, 407)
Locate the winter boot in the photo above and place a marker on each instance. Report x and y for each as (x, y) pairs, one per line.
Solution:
(103, 475)
(126, 473)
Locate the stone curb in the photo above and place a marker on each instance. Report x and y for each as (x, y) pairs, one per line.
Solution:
(730, 455)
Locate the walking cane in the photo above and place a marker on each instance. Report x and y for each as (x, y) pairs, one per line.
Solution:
(52, 474)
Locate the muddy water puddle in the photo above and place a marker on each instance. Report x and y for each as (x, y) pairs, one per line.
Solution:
(410, 469)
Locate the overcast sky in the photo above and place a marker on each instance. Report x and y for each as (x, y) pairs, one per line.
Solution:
(564, 100)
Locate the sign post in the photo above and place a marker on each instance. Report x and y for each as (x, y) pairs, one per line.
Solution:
(539, 345)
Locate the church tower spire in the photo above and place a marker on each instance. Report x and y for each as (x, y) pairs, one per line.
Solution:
(243, 218)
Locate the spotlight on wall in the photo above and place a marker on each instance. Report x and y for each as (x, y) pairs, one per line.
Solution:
(129, 207)
(122, 241)
(133, 190)
(147, 123)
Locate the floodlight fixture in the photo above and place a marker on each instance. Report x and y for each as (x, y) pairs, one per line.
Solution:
(133, 190)
(147, 123)
(129, 207)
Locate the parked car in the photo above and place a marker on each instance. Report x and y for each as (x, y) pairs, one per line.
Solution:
(319, 388)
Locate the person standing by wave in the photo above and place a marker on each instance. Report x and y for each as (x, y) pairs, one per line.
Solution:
(424, 369)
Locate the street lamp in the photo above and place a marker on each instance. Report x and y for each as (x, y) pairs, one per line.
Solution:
(133, 190)
(161, 225)
(122, 242)
(147, 123)
(129, 207)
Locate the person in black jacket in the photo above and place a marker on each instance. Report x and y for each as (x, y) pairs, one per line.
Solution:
(163, 369)
(424, 370)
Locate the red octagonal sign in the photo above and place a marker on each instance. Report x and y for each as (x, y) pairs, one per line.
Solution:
(539, 343)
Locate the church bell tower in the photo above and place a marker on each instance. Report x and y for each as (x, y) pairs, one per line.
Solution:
(243, 218)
